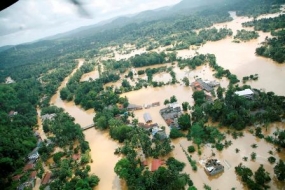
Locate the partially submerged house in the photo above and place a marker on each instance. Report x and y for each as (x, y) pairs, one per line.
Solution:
(213, 167)
(175, 107)
(247, 93)
(158, 133)
(199, 85)
(133, 107)
(155, 104)
(147, 118)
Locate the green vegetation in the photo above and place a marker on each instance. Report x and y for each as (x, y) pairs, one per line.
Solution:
(272, 47)
(245, 35)
(238, 112)
(175, 133)
(210, 59)
(191, 149)
(261, 177)
(255, 8)
(250, 77)
(271, 160)
(192, 162)
(279, 170)
(39, 68)
(17, 139)
(266, 24)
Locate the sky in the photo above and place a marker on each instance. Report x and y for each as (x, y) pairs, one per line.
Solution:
(30, 20)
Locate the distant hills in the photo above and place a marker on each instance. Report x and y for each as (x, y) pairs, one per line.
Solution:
(184, 7)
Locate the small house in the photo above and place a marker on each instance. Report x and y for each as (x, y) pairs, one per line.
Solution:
(48, 116)
(155, 164)
(213, 166)
(76, 156)
(155, 104)
(28, 167)
(147, 117)
(17, 177)
(46, 178)
(33, 175)
(248, 93)
(12, 113)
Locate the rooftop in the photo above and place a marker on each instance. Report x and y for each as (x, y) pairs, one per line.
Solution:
(33, 174)
(244, 92)
(46, 178)
(155, 164)
(28, 167)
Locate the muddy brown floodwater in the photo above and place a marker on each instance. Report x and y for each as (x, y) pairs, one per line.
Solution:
(241, 60)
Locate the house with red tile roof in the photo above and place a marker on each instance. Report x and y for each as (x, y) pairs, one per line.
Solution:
(155, 164)
(28, 167)
(17, 177)
(46, 178)
(76, 156)
(33, 175)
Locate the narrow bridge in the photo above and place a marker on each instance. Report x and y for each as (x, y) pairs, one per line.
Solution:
(87, 127)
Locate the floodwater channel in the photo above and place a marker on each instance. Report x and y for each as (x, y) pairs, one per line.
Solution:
(102, 146)
(241, 60)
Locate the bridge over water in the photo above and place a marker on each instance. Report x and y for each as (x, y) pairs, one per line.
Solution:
(87, 127)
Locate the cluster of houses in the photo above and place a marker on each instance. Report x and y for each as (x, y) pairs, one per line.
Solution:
(32, 158)
(29, 169)
(155, 130)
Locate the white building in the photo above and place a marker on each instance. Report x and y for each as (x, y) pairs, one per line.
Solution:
(246, 93)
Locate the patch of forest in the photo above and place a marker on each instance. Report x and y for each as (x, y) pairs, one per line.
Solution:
(272, 47)
(245, 35)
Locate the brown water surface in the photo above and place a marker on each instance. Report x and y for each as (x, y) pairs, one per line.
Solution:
(102, 147)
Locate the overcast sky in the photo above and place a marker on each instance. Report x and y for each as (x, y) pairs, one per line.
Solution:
(29, 20)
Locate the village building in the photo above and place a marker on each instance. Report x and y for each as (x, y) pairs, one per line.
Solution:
(12, 113)
(28, 167)
(158, 133)
(155, 164)
(199, 85)
(141, 157)
(147, 126)
(213, 167)
(76, 156)
(9, 80)
(147, 118)
(33, 175)
(155, 104)
(48, 116)
(46, 178)
(133, 107)
(175, 107)
(212, 83)
(17, 177)
(248, 93)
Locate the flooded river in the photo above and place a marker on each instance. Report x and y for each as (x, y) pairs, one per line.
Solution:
(102, 147)
(241, 60)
